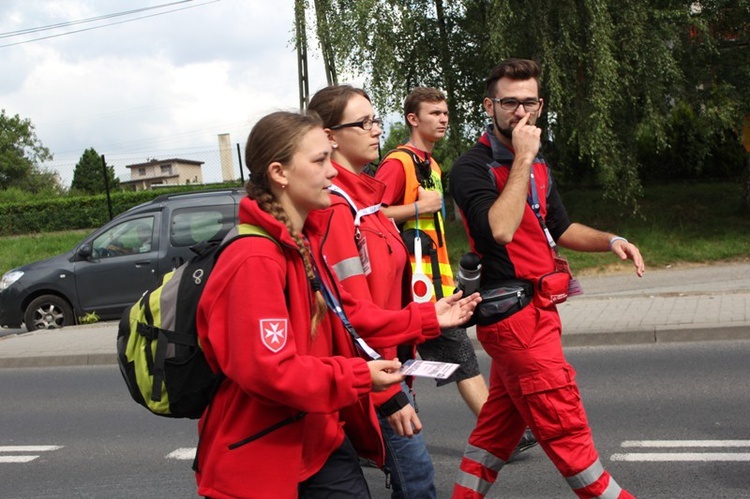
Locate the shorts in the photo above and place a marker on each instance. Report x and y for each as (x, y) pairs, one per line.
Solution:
(454, 346)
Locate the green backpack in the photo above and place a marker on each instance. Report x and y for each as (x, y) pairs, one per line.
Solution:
(157, 342)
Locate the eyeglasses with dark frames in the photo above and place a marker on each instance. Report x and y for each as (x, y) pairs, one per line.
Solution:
(509, 104)
(366, 124)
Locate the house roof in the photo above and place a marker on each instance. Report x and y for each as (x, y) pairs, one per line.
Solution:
(156, 162)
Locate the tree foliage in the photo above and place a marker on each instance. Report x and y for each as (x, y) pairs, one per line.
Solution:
(88, 176)
(614, 71)
(21, 155)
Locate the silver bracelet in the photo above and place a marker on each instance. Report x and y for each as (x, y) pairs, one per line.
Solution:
(616, 238)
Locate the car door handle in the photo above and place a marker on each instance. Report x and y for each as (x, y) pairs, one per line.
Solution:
(142, 263)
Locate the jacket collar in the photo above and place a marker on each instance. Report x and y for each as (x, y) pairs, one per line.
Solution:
(363, 189)
(250, 212)
(500, 153)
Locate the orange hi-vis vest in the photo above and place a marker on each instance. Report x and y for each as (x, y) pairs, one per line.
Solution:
(431, 224)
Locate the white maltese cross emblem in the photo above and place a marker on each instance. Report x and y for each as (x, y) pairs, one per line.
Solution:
(273, 333)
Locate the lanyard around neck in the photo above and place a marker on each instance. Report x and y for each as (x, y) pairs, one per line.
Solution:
(335, 306)
(533, 200)
(358, 214)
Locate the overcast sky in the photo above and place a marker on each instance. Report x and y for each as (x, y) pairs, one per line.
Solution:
(164, 85)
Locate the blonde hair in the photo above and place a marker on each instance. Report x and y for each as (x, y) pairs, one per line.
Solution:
(275, 138)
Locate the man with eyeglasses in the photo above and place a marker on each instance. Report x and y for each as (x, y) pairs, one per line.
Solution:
(515, 220)
(414, 200)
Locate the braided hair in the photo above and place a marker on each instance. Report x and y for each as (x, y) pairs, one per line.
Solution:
(275, 139)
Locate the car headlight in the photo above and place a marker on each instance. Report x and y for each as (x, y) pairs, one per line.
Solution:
(9, 278)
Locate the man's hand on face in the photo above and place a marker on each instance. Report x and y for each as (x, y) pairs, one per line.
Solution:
(526, 138)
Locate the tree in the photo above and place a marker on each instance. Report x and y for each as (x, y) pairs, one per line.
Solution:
(88, 176)
(21, 155)
(613, 70)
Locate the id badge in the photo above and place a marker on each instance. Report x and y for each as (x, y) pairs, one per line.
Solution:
(364, 255)
(562, 265)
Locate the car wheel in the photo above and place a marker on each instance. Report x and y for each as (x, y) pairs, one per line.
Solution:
(48, 312)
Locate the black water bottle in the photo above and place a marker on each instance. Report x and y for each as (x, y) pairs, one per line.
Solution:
(469, 273)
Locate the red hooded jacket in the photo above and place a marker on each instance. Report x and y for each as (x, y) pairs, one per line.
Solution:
(254, 326)
(385, 283)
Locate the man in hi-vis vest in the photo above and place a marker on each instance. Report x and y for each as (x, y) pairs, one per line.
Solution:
(414, 200)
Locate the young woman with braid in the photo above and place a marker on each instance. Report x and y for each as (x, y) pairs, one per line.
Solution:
(370, 259)
(294, 381)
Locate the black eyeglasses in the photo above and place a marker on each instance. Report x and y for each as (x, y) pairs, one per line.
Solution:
(366, 124)
(512, 104)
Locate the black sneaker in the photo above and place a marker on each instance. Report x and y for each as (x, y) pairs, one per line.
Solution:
(527, 442)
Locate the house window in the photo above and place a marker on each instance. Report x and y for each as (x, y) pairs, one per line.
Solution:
(166, 169)
(142, 171)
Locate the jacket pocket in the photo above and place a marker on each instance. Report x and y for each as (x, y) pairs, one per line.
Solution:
(554, 402)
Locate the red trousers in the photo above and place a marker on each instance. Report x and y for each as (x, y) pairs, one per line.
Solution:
(531, 384)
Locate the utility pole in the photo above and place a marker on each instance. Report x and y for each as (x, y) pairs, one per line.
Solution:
(321, 12)
(304, 84)
(321, 9)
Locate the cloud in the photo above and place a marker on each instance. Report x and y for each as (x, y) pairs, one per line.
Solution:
(159, 86)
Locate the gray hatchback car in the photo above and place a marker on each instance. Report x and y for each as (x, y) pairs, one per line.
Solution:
(112, 267)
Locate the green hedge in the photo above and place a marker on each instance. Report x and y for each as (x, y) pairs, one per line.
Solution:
(70, 213)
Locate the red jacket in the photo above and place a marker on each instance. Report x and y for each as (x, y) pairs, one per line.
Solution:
(386, 283)
(254, 326)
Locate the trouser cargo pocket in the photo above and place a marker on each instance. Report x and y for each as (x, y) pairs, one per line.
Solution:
(554, 402)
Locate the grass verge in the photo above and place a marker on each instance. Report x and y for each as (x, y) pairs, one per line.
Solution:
(19, 250)
(678, 224)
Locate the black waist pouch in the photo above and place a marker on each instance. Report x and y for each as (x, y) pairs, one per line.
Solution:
(502, 300)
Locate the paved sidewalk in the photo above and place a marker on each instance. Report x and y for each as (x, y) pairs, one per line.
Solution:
(675, 304)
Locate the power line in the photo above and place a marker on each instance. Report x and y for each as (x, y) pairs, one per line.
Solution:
(84, 21)
(107, 16)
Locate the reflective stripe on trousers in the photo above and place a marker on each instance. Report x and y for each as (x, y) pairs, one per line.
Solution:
(588, 482)
(585, 484)
(531, 384)
(486, 464)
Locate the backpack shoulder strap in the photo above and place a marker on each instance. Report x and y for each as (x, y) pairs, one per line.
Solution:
(244, 230)
(422, 167)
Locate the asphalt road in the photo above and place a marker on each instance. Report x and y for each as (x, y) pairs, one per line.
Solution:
(90, 440)
(7, 331)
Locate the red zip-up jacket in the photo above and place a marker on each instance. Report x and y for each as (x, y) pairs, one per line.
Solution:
(254, 326)
(386, 283)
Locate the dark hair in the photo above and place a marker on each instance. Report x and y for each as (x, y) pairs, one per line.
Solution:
(514, 69)
(417, 96)
(275, 137)
(330, 102)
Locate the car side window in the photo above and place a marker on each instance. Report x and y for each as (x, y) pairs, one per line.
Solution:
(127, 238)
(194, 225)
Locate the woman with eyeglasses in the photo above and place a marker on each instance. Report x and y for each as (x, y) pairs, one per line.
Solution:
(292, 374)
(370, 259)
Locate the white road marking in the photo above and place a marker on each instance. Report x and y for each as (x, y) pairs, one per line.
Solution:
(686, 443)
(683, 457)
(24, 448)
(16, 459)
(183, 453)
(29, 448)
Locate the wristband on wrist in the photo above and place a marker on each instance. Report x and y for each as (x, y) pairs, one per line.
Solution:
(615, 239)
(393, 404)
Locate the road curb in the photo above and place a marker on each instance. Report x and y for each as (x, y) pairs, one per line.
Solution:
(97, 359)
(621, 338)
(649, 336)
